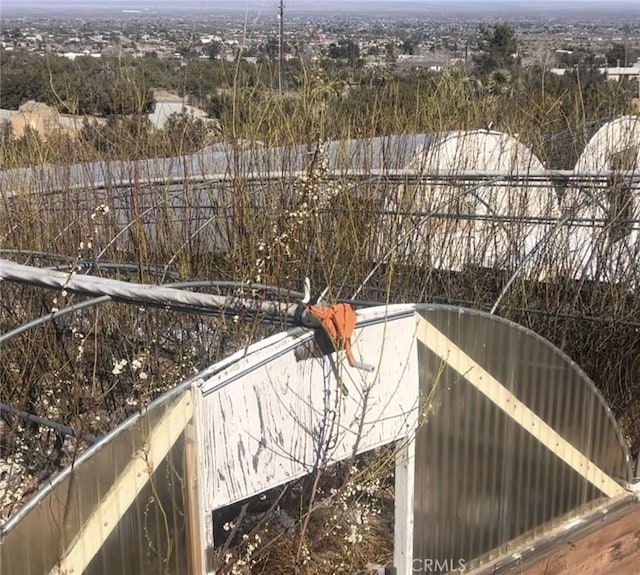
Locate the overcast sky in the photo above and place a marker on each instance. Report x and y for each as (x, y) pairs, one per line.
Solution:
(294, 3)
(490, 7)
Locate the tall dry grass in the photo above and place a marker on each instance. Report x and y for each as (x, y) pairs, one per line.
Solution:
(90, 370)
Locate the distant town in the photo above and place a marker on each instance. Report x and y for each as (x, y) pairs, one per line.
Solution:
(377, 41)
(76, 71)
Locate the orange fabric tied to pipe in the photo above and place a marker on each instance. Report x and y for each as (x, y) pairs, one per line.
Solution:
(339, 321)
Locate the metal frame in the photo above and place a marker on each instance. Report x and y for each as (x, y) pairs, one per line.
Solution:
(128, 484)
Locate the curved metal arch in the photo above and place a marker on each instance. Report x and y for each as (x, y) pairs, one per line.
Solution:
(397, 240)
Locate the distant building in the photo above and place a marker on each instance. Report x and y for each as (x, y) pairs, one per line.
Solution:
(168, 104)
(74, 55)
(39, 117)
(43, 119)
(425, 61)
(616, 73)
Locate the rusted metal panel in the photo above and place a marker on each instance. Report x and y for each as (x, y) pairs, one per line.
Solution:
(515, 436)
(119, 509)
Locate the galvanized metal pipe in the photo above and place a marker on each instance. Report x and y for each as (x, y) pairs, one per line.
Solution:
(145, 294)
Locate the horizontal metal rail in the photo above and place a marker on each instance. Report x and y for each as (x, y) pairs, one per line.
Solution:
(46, 180)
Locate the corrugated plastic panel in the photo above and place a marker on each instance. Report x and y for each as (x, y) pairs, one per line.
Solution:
(121, 509)
(514, 437)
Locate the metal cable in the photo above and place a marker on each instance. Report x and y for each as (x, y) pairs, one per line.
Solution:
(67, 431)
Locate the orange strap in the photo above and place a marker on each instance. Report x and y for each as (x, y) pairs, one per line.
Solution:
(339, 321)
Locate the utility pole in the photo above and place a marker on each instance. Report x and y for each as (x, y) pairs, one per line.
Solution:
(281, 49)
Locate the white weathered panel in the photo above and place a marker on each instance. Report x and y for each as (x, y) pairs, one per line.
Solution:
(505, 220)
(604, 242)
(271, 416)
(405, 474)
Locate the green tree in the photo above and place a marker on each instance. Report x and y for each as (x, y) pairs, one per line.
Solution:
(212, 49)
(123, 137)
(345, 49)
(272, 47)
(620, 55)
(391, 51)
(122, 92)
(408, 47)
(24, 77)
(497, 45)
